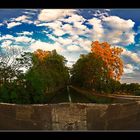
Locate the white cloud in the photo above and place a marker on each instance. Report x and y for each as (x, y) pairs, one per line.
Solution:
(74, 37)
(59, 32)
(13, 24)
(98, 30)
(52, 37)
(24, 19)
(18, 47)
(6, 43)
(79, 25)
(128, 68)
(7, 37)
(64, 41)
(21, 18)
(67, 27)
(84, 44)
(77, 29)
(53, 14)
(74, 18)
(118, 23)
(101, 13)
(23, 39)
(73, 48)
(54, 19)
(45, 46)
(134, 56)
(113, 29)
(1, 24)
(30, 12)
(121, 30)
(25, 33)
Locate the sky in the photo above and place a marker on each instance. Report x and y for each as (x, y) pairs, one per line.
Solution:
(71, 31)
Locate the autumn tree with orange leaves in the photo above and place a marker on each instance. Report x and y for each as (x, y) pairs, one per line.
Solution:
(41, 54)
(101, 69)
(111, 57)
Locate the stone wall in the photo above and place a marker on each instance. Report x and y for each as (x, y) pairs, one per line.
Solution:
(74, 116)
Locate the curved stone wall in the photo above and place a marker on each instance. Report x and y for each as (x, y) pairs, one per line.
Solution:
(74, 116)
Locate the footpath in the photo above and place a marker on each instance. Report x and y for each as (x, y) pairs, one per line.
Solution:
(117, 96)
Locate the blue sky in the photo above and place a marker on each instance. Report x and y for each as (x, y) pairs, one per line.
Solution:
(70, 32)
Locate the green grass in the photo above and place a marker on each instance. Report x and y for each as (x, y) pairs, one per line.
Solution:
(88, 98)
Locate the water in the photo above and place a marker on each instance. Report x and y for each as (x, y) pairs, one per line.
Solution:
(69, 97)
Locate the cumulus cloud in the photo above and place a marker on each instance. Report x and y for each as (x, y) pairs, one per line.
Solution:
(13, 24)
(9, 40)
(132, 55)
(24, 19)
(101, 13)
(23, 39)
(118, 23)
(21, 18)
(54, 19)
(25, 33)
(59, 32)
(80, 25)
(31, 11)
(1, 24)
(51, 14)
(74, 18)
(85, 44)
(45, 46)
(119, 29)
(113, 29)
(128, 68)
(131, 77)
(73, 48)
(8, 36)
(64, 41)
(98, 30)
(6, 43)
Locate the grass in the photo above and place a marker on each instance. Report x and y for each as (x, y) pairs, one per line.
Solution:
(60, 97)
(79, 98)
(76, 97)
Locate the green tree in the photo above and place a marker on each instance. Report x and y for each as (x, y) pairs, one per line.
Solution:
(13, 62)
(47, 74)
(89, 71)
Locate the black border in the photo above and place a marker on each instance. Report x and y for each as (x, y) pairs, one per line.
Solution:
(70, 135)
(48, 4)
(69, 4)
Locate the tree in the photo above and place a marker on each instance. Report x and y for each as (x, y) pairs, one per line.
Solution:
(13, 64)
(47, 74)
(13, 61)
(133, 88)
(27, 77)
(111, 57)
(90, 71)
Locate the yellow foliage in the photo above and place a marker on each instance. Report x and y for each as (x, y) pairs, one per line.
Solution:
(41, 54)
(111, 58)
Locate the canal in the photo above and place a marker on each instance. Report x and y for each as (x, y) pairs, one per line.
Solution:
(72, 96)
